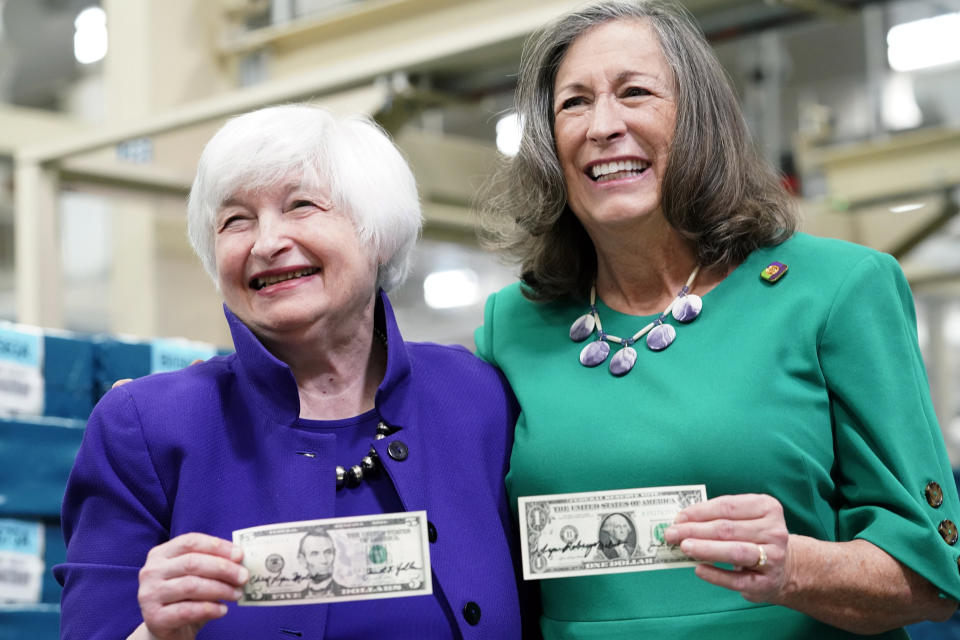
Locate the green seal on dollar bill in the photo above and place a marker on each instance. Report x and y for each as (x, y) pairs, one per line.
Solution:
(658, 532)
(378, 554)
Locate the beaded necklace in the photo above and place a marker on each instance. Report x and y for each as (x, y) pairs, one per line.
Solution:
(368, 464)
(684, 308)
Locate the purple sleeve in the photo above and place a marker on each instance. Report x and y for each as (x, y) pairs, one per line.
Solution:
(113, 513)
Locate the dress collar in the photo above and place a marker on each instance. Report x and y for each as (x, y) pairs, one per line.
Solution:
(271, 387)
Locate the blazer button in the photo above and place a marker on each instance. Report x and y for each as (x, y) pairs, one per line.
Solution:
(431, 532)
(949, 531)
(398, 450)
(934, 494)
(471, 613)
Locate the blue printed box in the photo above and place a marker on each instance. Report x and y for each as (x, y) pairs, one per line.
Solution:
(68, 374)
(36, 457)
(45, 372)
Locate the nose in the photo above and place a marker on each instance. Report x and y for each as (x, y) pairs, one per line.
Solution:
(272, 238)
(606, 122)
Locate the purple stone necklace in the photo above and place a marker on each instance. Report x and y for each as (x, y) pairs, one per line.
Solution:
(684, 308)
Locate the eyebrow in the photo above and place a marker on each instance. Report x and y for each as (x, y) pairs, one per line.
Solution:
(229, 202)
(622, 77)
(233, 201)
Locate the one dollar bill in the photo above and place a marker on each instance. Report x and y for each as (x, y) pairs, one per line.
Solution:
(581, 534)
(336, 559)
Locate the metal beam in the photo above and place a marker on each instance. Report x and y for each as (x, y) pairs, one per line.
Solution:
(365, 98)
(343, 75)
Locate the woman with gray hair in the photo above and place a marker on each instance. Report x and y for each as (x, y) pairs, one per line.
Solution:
(779, 370)
(303, 221)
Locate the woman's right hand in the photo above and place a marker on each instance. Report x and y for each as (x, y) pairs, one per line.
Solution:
(183, 584)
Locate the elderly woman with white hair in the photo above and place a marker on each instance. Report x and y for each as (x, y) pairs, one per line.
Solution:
(303, 221)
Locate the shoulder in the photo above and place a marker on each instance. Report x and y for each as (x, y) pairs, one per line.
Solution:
(194, 379)
(160, 396)
(510, 309)
(450, 380)
(825, 253)
(441, 361)
(509, 300)
(825, 264)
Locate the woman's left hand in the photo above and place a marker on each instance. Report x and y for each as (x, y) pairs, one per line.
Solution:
(747, 531)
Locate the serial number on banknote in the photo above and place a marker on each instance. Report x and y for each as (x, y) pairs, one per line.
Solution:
(579, 534)
(336, 559)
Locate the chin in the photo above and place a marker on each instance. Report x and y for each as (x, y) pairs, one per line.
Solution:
(280, 324)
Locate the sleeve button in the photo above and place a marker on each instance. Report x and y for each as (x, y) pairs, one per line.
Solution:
(934, 494)
(949, 531)
(431, 532)
(471, 613)
(398, 450)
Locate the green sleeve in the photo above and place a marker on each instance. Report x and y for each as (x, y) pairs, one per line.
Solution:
(888, 444)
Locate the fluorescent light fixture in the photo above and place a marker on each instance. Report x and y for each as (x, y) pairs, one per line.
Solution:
(452, 288)
(899, 107)
(90, 37)
(903, 208)
(924, 43)
(951, 327)
(509, 131)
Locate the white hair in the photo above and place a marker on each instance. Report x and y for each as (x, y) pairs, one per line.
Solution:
(352, 156)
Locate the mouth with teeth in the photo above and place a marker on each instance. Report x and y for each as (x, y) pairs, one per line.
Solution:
(266, 281)
(617, 170)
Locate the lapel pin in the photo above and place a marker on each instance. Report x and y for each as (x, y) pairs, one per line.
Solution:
(773, 272)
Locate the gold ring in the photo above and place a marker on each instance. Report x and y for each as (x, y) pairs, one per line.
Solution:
(762, 560)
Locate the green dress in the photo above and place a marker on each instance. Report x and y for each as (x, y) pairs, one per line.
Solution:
(811, 389)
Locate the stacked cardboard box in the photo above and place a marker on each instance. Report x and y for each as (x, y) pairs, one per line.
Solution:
(49, 383)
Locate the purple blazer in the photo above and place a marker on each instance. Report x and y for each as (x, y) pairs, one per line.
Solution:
(211, 448)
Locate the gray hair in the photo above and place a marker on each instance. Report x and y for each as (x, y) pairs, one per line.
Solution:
(717, 190)
(366, 174)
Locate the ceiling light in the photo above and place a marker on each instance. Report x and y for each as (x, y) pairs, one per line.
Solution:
(90, 37)
(951, 326)
(509, 132)
(924, 43)
(903, 208)
(452, 288)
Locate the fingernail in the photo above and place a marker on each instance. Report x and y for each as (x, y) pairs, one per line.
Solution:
(669, 534)
(243, 574)
(237, 594)
(236, 554)
(223, 609)
(681, 518)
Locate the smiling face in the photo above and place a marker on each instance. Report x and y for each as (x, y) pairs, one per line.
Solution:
(614, 115)
(287, 258)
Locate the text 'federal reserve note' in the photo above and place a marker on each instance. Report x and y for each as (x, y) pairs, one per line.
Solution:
(336, 559)
(581, 534)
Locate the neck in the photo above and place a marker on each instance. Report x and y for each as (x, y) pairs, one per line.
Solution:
(639, 273)
(338, 365)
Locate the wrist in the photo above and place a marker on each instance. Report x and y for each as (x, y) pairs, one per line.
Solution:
(141, 633)
(793, 583)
